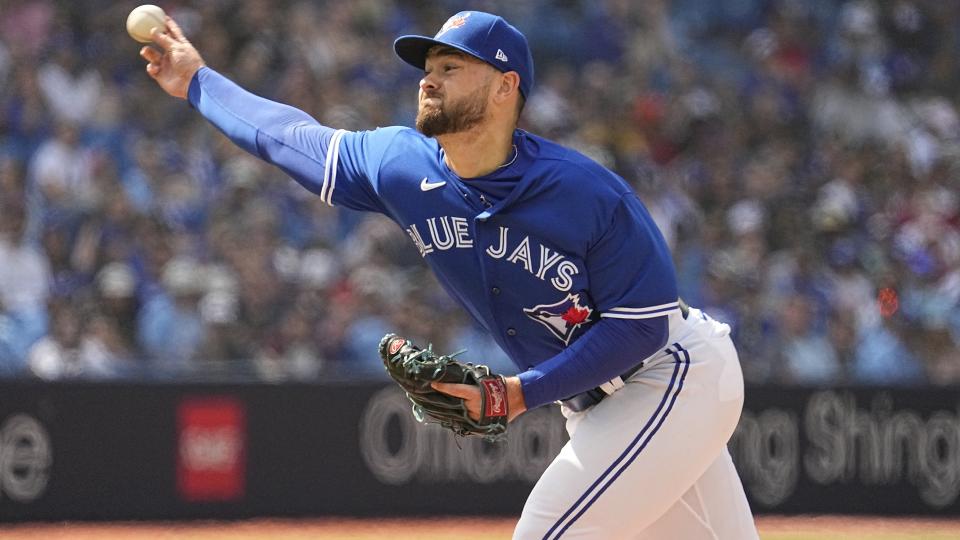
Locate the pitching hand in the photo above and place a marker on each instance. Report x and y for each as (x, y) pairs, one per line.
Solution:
(175, 66)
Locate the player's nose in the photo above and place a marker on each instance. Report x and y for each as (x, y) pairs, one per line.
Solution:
(428, 83)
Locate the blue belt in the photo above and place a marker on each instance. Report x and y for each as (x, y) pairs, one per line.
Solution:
(585, 400)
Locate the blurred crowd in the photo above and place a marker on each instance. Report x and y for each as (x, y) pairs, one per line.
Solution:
(802, 158)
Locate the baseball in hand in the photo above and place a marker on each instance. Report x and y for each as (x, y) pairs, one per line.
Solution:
(142, 19)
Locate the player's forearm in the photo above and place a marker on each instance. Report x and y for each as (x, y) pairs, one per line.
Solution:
(274, 132)
(609, 348)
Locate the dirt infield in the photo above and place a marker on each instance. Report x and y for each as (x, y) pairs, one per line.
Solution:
(771, 528)
(857, 528)
(319, 529)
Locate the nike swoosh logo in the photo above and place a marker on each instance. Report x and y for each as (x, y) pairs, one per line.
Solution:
(426, 185)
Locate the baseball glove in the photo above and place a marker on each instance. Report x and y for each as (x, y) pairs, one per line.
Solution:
(415, 368)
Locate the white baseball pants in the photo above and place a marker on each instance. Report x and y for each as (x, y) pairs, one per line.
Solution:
(650, 461)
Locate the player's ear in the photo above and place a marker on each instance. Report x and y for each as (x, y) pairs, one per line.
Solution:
(508, 86)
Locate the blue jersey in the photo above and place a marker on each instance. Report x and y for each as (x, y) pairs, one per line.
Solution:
(539, 252)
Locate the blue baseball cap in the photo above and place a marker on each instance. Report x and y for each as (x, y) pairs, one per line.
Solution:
(487, 37)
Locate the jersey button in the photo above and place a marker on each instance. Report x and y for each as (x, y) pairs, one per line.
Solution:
(495, 290)
(511, 332)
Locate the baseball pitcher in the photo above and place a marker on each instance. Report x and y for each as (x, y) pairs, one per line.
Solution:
(550, 252)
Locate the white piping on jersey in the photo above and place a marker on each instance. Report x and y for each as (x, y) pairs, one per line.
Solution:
(330, 167)
(640, 313)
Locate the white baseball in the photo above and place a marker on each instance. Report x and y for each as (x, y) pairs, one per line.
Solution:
(142, 19)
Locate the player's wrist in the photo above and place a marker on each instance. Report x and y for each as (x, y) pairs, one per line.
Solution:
(189, 75)
(515, 402)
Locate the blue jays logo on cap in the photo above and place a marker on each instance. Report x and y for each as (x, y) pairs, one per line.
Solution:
(456, 21)
(562, 317)
(482, 35)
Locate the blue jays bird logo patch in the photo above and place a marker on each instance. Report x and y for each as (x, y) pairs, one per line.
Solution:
(453, 22)
(563, 317)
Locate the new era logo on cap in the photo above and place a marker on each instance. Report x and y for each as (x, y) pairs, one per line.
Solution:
(482, 35)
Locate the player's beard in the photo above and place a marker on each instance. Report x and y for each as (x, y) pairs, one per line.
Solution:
(454, 117)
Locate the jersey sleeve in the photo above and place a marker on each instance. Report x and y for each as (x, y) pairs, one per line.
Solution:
(354, 168)
(338, 165)
(630, 267)
(609, 348)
